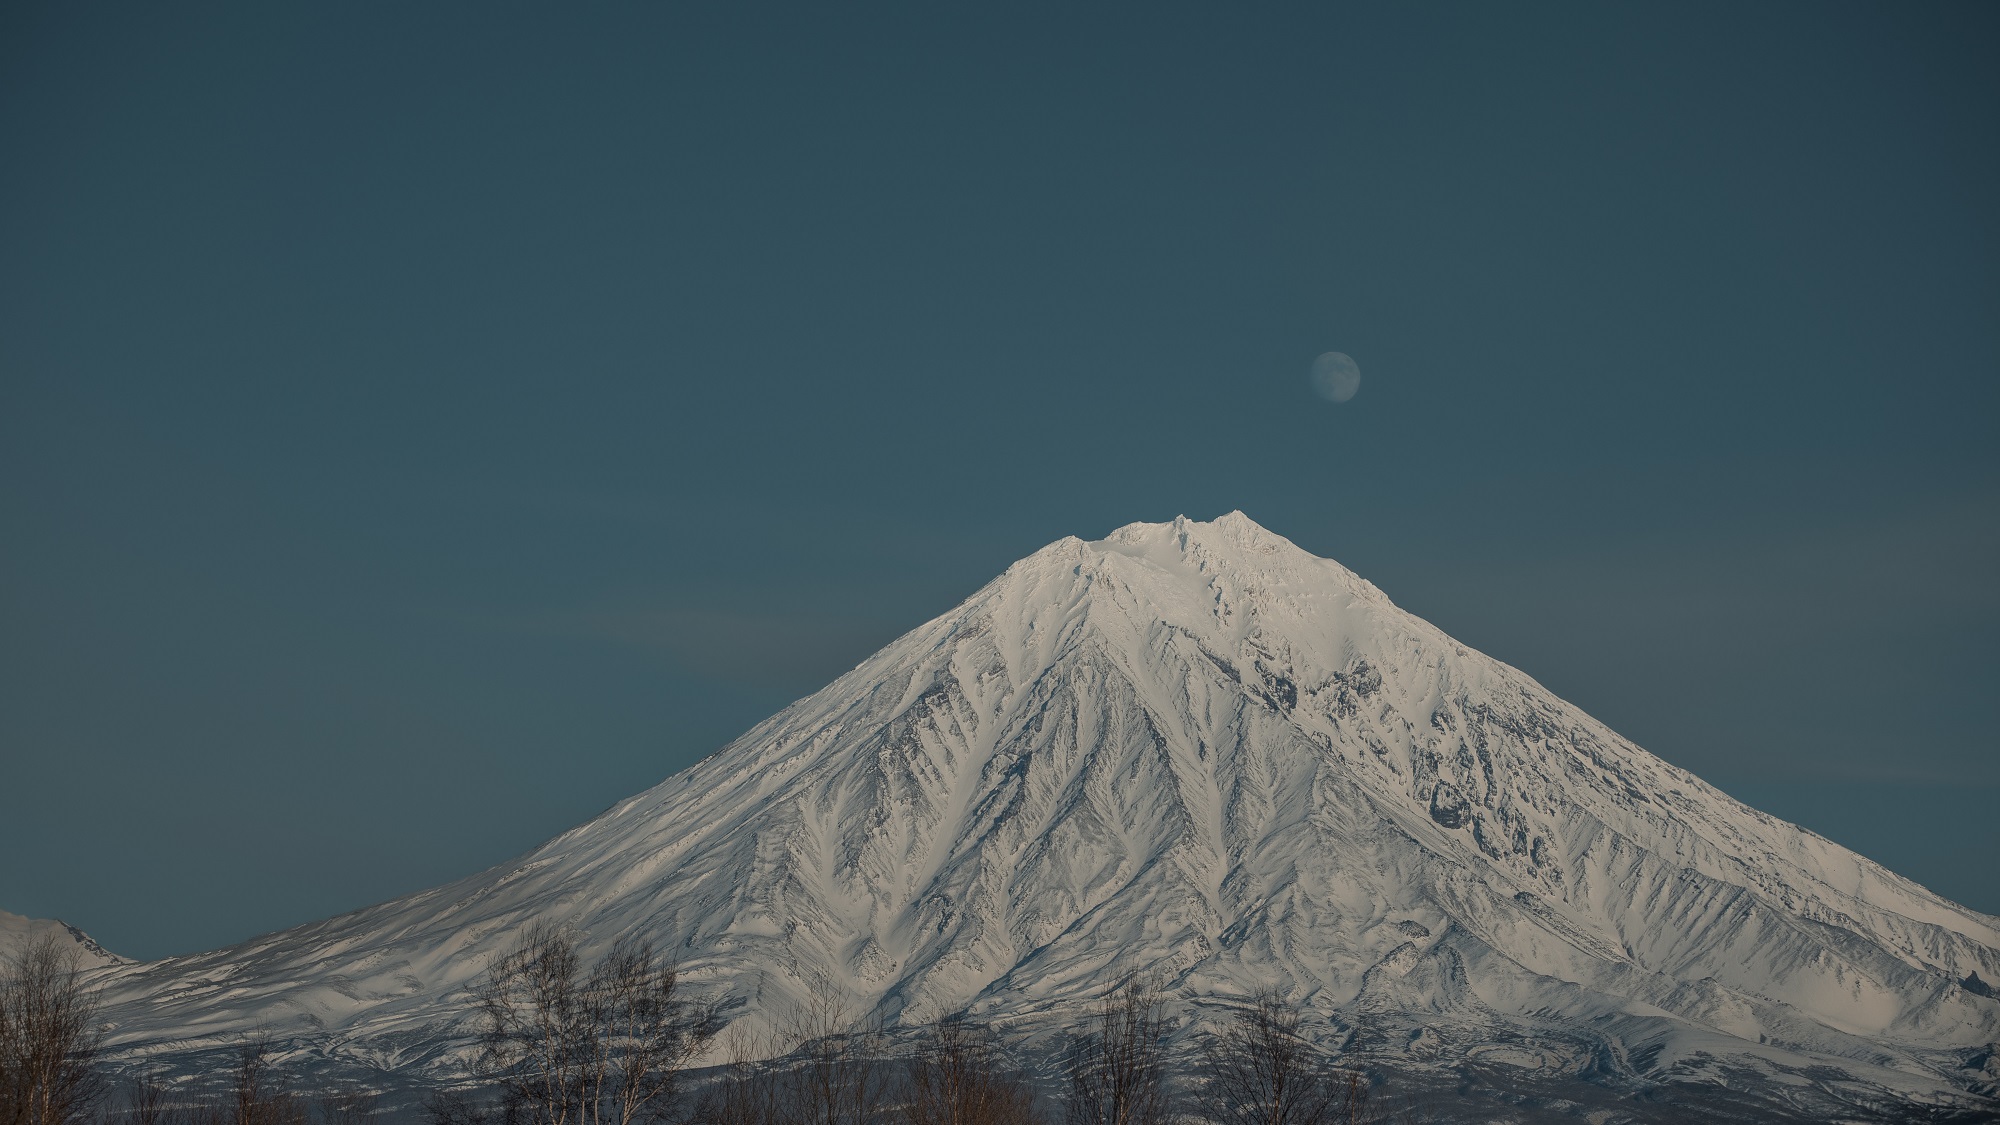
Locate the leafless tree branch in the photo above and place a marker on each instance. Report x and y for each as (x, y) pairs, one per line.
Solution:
(50, 1036)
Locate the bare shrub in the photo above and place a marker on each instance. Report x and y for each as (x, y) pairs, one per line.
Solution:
(347, 1107)
(49, 1038)
(150, 1101)
(1117, 1069)
(258, 1093)
(1260, 1071)
(745, 1093)
(958, 1077)
(453, 1107)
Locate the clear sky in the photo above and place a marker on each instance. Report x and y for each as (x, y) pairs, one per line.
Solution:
(422, 425)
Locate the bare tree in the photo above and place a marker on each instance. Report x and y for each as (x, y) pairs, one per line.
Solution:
(745, 1093)
(259, 1095)
(49, 1038)
(816, 1068)
(147, 1103)
(603, 1047)
(1261, 1071)
(957, 1077)
(833, 1077)
(643, 1037)
(532, 1006)
(1117, 1070)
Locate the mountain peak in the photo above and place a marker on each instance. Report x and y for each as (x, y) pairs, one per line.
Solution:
(1226, 580)
(1195, 750)
(1232, 528)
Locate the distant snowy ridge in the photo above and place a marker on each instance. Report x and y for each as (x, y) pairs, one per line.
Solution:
(18, 933)
(1197, 750)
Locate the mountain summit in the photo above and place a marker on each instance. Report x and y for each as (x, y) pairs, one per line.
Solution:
(1196, 750)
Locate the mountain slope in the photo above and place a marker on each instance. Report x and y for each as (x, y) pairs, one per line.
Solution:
(1194, 749)
(18, 933)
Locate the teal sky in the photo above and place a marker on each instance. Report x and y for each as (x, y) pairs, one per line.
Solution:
(424, 425)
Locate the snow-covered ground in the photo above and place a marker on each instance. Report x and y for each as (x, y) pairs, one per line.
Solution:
(1196, 750)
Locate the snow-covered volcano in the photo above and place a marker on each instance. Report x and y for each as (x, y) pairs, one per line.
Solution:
(1194, 749)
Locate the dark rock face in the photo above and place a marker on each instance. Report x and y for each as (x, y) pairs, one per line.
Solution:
(1448, 808)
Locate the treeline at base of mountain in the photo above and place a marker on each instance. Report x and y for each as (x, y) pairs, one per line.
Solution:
(618, 1042)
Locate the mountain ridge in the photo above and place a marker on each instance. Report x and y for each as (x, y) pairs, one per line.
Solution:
(17, 933)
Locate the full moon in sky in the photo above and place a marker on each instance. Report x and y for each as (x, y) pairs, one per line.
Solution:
(1335, 376)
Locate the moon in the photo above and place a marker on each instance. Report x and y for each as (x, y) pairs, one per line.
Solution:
(1335, 376)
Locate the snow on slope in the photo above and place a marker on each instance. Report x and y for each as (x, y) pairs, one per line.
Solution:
(1190, 748)
(18, 933)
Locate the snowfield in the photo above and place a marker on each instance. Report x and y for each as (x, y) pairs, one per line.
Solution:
(1196, 750)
